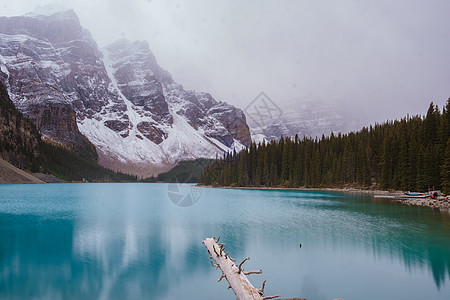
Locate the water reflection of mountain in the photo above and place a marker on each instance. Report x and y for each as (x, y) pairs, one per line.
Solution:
(57, 260)
(101, 250)
(129, 241)
(29, 270)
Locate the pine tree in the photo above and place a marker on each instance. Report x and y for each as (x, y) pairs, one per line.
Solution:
(445, 170)
(407, 154)
(285, 163)
(421, 181)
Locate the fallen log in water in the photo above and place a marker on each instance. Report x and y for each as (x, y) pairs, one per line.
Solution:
(235, 275)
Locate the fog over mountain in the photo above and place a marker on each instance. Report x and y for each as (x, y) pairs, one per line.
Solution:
(115, 103)
(377, 60)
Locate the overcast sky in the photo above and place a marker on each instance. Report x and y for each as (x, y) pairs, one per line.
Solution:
(387, 57)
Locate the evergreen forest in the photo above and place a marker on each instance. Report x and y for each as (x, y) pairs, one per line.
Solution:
(408, 154)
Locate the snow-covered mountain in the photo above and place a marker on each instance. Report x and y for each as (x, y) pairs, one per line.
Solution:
(118, 98)
(312, 117)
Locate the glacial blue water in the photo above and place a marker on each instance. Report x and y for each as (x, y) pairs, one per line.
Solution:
(130, 241)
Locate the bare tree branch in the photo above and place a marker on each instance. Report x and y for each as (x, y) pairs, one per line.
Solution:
(271, 297)
(261, 290)
(240, 265)
(252, 272)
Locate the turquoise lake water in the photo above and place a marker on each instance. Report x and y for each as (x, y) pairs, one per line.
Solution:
(129, 241)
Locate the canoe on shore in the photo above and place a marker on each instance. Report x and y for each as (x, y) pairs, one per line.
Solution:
(417, 195)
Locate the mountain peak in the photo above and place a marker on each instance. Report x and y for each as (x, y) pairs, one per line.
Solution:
(46, 24)
(139, 52)
(54, 10)
(123, 102)
(124, 43)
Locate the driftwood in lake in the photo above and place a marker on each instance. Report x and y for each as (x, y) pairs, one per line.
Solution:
(235, 275)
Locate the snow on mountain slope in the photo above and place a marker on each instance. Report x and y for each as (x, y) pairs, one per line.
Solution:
(140, 121)
(183, 142)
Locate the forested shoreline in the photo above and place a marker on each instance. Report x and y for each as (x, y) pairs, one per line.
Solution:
(408, 154)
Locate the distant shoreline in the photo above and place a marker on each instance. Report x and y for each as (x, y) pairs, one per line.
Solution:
(442, 203)
(279, 188)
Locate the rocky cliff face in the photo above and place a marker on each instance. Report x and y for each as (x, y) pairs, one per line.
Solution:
(19, 139)
(121, 100)
(141, 81)
(155, 95)
(40, 62)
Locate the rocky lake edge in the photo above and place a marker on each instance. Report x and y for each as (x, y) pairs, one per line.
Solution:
(441, 203)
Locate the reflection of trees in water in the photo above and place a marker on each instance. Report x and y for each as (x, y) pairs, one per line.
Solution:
(418, 235)
(35, 257)
(40, 258)
(440, 265)
(126, 257)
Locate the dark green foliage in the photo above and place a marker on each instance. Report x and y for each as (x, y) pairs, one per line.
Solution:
(71, 166)
(407, 154)
(184, 171)
(5, 101)
(22, 146)
(445, 171)
(19, 139)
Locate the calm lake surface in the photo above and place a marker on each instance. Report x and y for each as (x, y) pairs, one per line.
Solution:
(129, 241)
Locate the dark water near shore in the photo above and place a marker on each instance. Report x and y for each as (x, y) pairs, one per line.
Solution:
(129, 241)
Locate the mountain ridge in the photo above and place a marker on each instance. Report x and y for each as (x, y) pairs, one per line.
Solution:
(22, 147)
(117, 98)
